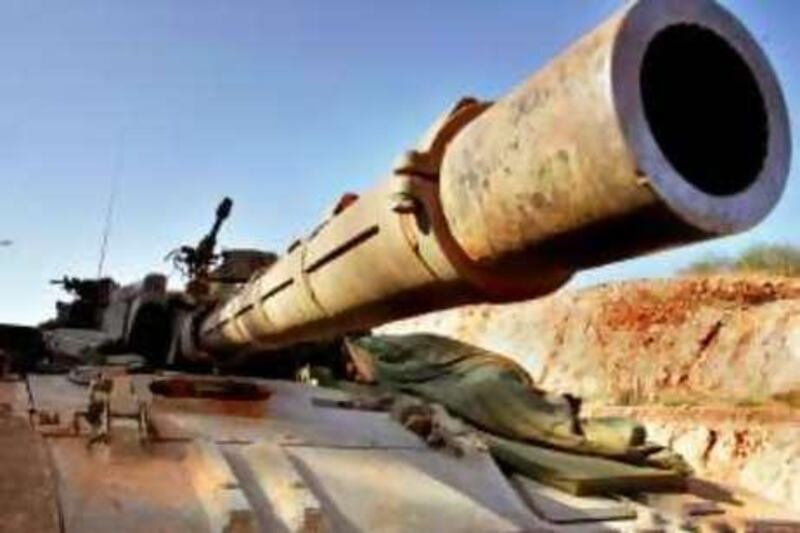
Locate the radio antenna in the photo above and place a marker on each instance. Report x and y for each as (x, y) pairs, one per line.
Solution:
(110, 208)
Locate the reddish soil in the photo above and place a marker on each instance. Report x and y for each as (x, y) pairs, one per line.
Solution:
(710, 365)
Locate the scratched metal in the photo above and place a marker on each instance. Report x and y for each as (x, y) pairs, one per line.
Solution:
(572, 169)
(565, 172)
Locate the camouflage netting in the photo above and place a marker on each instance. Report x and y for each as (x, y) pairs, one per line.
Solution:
(497, 396)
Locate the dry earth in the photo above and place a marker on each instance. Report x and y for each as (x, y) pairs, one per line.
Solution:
(710, 365)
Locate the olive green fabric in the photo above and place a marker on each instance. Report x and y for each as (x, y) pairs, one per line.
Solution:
(580, 474)
(496, 395)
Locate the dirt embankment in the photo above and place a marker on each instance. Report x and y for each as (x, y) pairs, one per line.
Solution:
(710, 365)
(688, 340)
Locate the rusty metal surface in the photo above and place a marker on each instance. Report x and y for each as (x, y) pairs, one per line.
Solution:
(568, 170)
(379, 256)
(14, 399)
(574, 168)
(370, 490)
(300, 458)
(282, 499)
(222, 464)
(124, 487)
(289, 416)
(28, 500)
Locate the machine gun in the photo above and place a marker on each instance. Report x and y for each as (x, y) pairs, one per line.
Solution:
(89, 289)
(90, 297)
(195, 262)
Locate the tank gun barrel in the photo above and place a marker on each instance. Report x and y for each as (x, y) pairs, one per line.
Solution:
(664, 126)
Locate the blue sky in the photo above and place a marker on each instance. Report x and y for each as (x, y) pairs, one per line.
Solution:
(281, 104)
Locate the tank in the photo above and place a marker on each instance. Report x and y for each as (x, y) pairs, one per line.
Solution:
(246, 401)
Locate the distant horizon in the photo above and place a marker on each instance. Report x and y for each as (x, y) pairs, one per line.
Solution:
(282, 105)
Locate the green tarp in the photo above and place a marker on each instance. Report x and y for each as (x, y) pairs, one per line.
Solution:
(496, 395)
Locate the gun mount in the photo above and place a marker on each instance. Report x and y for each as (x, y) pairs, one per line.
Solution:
(90, 298)
(195, 262)
(664, 126)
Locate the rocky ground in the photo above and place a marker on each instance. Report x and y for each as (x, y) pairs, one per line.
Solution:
(710, 365)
